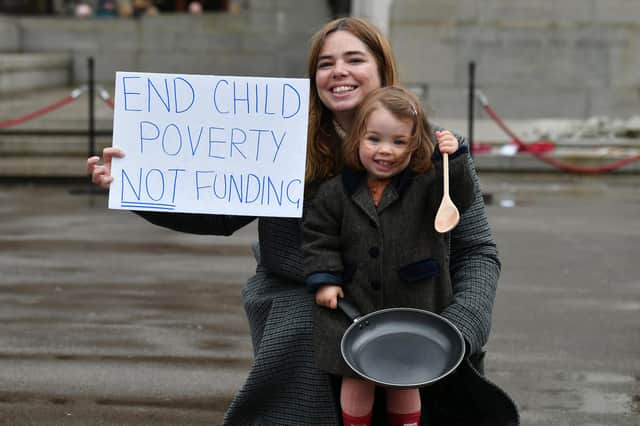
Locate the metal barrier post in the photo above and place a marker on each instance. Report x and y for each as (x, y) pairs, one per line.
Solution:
(92, 118)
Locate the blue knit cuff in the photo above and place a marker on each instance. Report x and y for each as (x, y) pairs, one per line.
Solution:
(437, 155)
(317, 279)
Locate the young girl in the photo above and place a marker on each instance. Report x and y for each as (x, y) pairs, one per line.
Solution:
(369, 236)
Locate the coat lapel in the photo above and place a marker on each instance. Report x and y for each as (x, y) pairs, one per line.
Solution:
(399, 184)
(355, 184)
(389, 196)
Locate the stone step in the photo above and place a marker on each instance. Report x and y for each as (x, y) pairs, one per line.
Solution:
(47, 154)
(30, 71)
(39, 144)
(582, 158)
(42, 167)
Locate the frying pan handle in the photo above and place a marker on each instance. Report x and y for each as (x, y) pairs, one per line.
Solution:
(349, 309)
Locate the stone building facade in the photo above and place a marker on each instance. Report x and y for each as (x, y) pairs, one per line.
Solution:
(534, 58)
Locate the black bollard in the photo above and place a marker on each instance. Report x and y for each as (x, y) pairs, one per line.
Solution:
(487, 197)
(92, 117)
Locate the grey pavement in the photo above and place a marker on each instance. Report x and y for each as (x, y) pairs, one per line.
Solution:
(108, 320)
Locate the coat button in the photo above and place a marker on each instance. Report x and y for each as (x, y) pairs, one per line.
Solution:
(375, 284)
(373, 223)
(374, 252)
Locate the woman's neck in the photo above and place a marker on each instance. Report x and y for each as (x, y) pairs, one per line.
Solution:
(344, 120)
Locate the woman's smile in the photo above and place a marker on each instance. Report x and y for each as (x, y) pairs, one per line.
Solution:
(346, 73)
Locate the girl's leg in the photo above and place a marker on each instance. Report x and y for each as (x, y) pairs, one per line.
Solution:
(356, 400)
(403, 406)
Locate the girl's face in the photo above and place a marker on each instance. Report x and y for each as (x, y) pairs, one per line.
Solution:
(347, 72)
(384, 147)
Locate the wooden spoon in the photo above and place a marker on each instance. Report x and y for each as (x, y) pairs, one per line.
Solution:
(448, 215)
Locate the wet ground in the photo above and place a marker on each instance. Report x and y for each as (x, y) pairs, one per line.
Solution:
(108, 320)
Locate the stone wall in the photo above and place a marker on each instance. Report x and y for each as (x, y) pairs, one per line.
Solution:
(268, 38)
(534, 59)
(9, 35)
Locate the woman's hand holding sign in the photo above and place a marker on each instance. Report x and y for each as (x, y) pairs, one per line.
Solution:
(101, 174)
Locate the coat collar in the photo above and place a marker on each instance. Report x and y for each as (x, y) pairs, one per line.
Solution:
(354, 179)
(355, 184)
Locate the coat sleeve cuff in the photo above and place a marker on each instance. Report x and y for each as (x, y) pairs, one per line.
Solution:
(437, 155)
(315, 280)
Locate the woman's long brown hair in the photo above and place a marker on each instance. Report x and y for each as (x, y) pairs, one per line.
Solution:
(324, 153)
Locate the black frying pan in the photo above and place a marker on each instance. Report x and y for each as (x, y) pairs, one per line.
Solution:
(401, 347)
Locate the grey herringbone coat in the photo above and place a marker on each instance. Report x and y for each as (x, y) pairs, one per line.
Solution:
(384, 257)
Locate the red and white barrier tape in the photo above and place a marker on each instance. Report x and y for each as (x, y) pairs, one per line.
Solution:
(104, 95)
(45, 110)
(558, 164)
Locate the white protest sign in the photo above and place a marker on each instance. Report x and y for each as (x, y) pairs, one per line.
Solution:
(210, 144)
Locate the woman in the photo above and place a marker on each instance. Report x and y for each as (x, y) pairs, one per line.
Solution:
(347, 60)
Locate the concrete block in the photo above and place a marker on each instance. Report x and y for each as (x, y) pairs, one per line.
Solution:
(433, 62)
(31, 71)
(517, 13)
(239, 63)
(573, 13)
(43, 167)
(619, 102)
(446, 102)
(540, 101)
(43, 145)
(617, 12)
(39, 40)
(422, 12)
(256, 42)
(210, 43)
(289, 6)
(519, 102)
(9, 35)
(106, 64)
(33, 79)
(625, 59)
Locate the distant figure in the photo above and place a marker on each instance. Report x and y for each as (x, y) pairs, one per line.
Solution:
(106, 9)
(195, 8)
(144, 8)
(136, 8)
(83, 10)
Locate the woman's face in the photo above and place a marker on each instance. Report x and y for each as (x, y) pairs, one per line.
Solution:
(384, 147)
(346, 73)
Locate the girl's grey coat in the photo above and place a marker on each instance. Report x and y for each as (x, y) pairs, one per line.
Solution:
(389, 256)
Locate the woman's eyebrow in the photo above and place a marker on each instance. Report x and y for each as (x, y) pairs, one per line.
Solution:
(348, 53)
